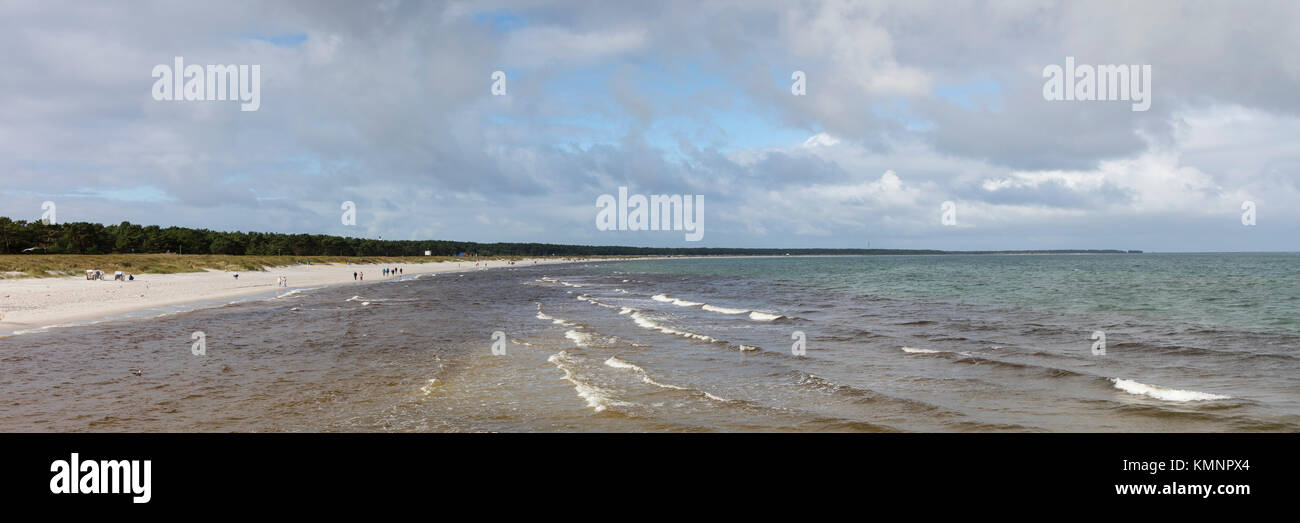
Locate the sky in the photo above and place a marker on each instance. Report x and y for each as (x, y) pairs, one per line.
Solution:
(905, 106)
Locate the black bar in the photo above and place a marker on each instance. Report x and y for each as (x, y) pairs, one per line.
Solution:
(824, 470)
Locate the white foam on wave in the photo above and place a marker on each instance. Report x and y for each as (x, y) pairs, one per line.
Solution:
(593, 301)
(1162, 393)
(675, 301)
(583, 339)
(723, 310)
(599, 399)
(613, 361)
(763, 316)
(914, 350)
(645, 378)
(647, 323)
(547, 317)
(294, 292)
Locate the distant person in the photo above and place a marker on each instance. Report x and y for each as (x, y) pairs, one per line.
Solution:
(130, 277)
(354, 275)
(363, 276)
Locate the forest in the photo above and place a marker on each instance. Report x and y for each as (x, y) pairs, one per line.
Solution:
(38, 237)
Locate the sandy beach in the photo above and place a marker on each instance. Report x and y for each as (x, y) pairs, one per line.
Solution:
(34, 303)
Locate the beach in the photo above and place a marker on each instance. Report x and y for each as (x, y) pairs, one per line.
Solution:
(36, 303)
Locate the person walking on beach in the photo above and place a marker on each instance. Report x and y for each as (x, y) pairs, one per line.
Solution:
(354, 275)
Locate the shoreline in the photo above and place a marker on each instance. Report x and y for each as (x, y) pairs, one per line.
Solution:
(34, 304)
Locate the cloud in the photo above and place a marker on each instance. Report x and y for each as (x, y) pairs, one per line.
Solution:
(908, 105)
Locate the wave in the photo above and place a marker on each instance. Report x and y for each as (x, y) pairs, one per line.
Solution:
(582, 339)
(913, 350)
(587, 298)
(613, 361)
(753, 314)
(723, 310)
(293, 292)
(598, 398)
(647, 323)
(675, 301)
(645, 378)
(547, 317)
(592, 339)
(1162, 393)
(823, 385)
(548, 279)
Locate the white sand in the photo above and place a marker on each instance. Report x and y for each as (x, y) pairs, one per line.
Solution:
(32, 303)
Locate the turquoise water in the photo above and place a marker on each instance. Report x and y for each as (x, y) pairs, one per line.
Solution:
(1258, 292)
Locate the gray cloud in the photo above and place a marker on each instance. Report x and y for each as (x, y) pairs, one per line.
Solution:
(388, 105)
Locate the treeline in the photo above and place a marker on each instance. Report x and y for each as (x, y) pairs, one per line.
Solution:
(92, 238)
(37, 237)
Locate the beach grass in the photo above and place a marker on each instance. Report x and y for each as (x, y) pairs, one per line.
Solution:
(53, 265)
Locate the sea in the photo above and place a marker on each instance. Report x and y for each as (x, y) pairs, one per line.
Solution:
(946, 343)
